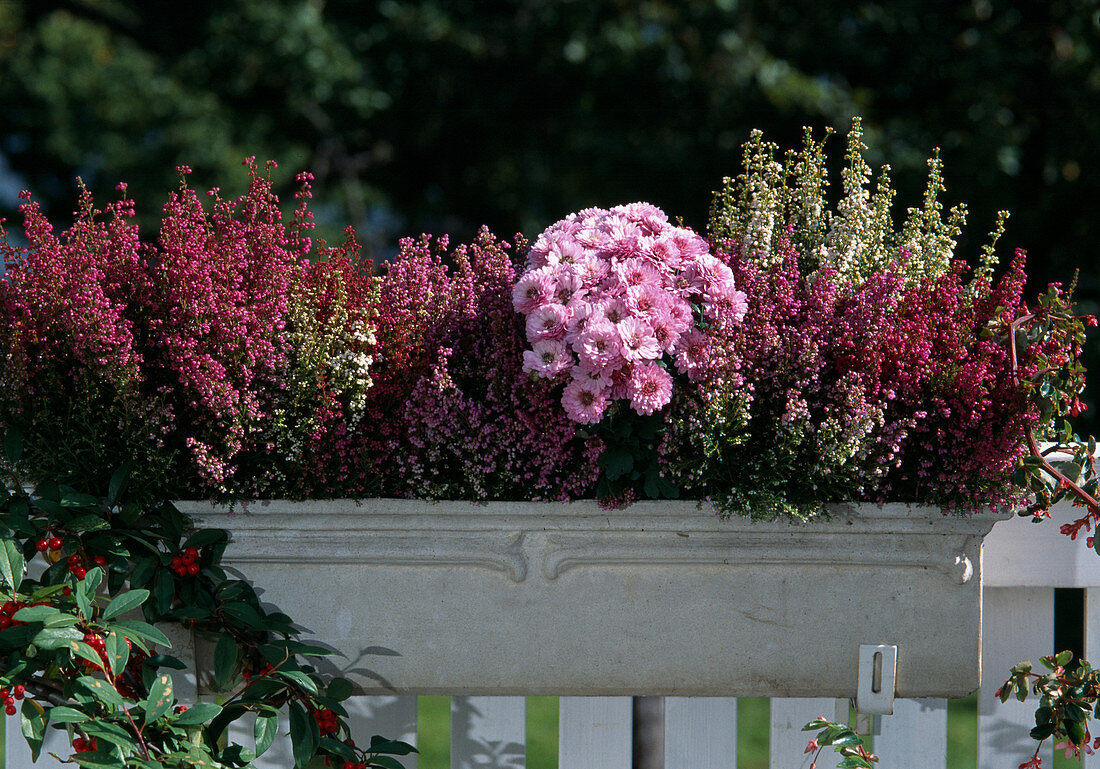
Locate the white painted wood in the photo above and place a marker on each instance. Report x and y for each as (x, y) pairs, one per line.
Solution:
(1017, 624)
(1092, 647)
(488, 732)
(1009, 554)
(594, 732)
(392, 717)
(700, 732)
(787, 742)
(915, 736)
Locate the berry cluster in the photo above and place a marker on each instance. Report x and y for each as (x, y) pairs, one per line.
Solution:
(48, 545)
(326, 722)
(9, 698)
(79, 565)
(248, 673)
(81, 745)
(7, 612)
(187, 564)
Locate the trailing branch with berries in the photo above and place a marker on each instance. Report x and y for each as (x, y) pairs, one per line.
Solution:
(81, 645)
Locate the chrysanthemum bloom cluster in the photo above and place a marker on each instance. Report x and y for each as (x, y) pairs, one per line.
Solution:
(608, 299)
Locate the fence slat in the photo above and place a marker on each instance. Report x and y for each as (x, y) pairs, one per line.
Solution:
(594, 732)
(787, 741)
(700, 732)
(1017, 624)
(915, 737)
(1092, 646)
(391, 717)
(488, 732)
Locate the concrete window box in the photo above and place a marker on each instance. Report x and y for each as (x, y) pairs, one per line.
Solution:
(658, 598)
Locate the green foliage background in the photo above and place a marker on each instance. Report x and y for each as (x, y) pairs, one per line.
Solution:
(424, 115)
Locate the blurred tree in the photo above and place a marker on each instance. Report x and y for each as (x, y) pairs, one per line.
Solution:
(431, 115)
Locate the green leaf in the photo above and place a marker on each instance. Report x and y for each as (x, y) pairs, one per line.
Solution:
(81, 649)
(120, 479)
(93, 579)
(32, 722)
(13, 445)
(99, 759)
(125, 602)
(83, 603)
(160, 699)
(64, 715)
(1063, 658)
(112, 733)
(11, 564)
(245, 614)
(164, 590)
(299, 678)
(855, 762)
(90, 522)
(379, 744)
(225, 660)
(199, 714)
(118, 653)
(36, 613)
(134, 629)
(56, 637)
(302, 737)
(339, 689)
(1075, 730)
(331, 745)
(267, 727)
(101, 690)
(61, 620)
(385, 762)
(204, 537)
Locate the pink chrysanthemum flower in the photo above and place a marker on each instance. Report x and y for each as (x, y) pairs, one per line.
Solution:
(600, 345)
(547, 359)
(583, 404)
(638, 341)
(692, 355)
(533, 290)
(647, 301)
(547, 322)
(650, 388)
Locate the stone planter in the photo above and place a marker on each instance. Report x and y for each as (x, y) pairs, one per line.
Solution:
(659, 598)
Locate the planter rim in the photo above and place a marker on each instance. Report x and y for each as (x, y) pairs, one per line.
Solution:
(674, 515)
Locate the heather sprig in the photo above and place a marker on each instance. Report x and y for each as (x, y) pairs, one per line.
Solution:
(452, 414)
(773, 201)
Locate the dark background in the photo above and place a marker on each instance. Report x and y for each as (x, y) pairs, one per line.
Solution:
(441, 116)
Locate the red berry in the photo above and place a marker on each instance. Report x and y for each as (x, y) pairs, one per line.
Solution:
(190, 554)
(10, 710)
(19, 690)
(5, 622)
(66, 590)
(80, 572)
(176, 562)
(100, 561)
(41, 546)
(55, 543)
(74, 560)
(193, 569)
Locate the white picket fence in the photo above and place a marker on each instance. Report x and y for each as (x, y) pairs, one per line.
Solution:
(1022, 566)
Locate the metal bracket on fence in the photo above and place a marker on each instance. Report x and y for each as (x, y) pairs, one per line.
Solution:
(878, 667)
